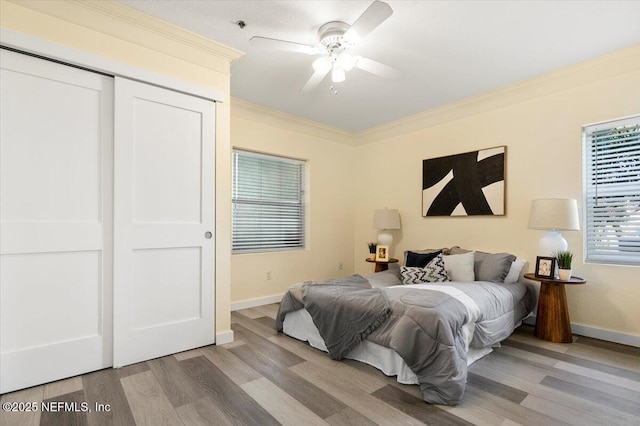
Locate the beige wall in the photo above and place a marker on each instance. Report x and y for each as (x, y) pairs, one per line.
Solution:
(544, 159)
(330, 206)
(111, 30)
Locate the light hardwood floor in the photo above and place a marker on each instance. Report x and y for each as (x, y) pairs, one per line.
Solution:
(266, 378)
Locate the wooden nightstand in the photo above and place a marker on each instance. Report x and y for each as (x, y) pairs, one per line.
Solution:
(552, 320)
(382, 265)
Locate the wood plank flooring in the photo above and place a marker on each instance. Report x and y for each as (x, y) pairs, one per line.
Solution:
(266, 378)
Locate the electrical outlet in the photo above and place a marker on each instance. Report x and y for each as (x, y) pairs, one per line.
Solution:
(268, 275)
(340, 266)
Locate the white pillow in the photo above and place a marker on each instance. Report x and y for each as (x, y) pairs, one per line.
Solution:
(514, 273)
(459, 267)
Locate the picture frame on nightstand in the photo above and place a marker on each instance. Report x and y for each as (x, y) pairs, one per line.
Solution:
(545, 267)
(382, 253)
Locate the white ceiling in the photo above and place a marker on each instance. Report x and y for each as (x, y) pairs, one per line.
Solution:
(448, 50)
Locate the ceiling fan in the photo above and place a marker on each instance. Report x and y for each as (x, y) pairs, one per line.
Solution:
(335, 38)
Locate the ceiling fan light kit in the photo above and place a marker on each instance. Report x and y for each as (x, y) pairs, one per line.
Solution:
(334, 39)
(337, 74)
(322, 65)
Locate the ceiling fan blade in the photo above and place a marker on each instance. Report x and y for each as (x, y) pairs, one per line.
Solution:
(315, 80)
(375, 14)
(290, 46)
(379, 69)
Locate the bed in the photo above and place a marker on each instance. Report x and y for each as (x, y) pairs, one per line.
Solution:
(423, 322)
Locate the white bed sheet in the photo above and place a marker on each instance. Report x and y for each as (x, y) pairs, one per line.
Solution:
(299, 325)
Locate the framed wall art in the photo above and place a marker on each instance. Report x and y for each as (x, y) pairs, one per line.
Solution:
(467, 184)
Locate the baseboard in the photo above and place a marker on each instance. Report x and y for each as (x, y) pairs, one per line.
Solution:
(224, 337)
(611, 336)
(252, 303)
(598, 333)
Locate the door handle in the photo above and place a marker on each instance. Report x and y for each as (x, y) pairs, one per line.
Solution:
(208, 235)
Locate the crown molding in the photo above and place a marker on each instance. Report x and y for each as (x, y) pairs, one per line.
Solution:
(600, 68)
(264, 115)
(128, 24)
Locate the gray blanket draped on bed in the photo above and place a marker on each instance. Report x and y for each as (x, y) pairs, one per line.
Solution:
(345, 311)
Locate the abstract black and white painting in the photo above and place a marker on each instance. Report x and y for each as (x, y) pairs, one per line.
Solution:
(467, 184)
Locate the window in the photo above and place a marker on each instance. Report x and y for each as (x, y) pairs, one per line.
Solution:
(268, 202)
(612, 191)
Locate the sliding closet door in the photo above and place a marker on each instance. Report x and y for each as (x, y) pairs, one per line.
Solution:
(56, 167)
(164, 217)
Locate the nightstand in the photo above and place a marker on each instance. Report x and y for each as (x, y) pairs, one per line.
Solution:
(552, 320)
(382, 265)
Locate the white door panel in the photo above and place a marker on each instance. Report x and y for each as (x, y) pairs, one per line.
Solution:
(27, 276)
(155, 272)
(168, 188)
(56, 165)
(39, 104)
(164, 205)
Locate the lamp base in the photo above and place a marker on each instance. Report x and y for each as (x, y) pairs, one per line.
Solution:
(385, 238)
(552, 242)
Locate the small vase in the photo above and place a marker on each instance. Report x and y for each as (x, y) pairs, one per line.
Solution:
(372, 256)
(564, 274)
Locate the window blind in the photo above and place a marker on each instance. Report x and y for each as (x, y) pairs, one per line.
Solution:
(612, 191)
(268, 202)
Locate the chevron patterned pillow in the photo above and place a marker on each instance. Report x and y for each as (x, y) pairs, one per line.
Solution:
(412, 275)
(434, 272)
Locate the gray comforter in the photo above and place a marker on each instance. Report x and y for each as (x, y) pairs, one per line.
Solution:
(431, 326)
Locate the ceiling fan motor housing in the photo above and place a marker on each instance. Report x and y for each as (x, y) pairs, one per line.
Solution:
(330, 34)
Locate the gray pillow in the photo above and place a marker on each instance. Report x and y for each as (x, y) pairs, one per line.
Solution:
(386, 278)
(458, 250)
(492, 267)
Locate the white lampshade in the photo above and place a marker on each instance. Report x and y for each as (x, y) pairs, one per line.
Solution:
(554, 214)
(385, 219)
(560, 214)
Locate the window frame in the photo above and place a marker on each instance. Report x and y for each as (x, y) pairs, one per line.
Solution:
(607, 254)
(302, 203)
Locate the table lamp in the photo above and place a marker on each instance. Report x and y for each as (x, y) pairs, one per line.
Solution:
(385, 220)
(554, 214)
